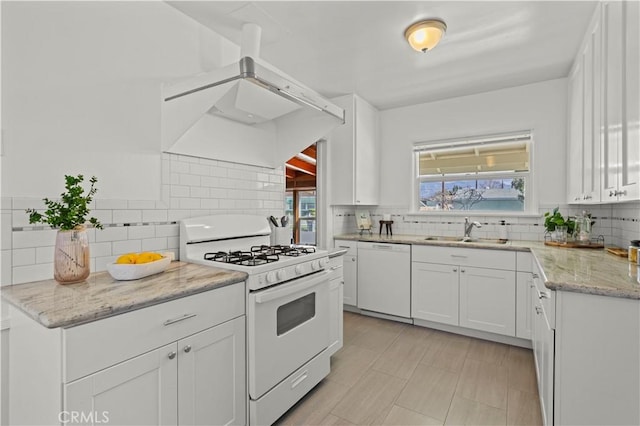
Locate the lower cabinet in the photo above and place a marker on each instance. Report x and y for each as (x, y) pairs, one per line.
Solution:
(336, 286)
(524, 327)
(181, 362)
(350, 271)
(434, 292)
(196, 380)
(462, 295)
(487, 300)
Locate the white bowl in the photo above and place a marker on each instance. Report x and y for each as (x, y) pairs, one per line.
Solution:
(127, 272)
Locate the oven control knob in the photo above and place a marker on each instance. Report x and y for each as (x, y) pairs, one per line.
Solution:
(282, 274)
(299, 269)
(324, 262)
(315, 265)
(271, 277)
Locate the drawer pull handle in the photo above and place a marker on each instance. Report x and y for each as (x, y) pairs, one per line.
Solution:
(538, 310)
(455, 269)
(463, 270)
(172, 355)
(333, 268)
(535, 276)
(347, 247)
(545, 295)
(378, 246)
(182, 318)
(459, 255)
(187, 348)
(300, 379)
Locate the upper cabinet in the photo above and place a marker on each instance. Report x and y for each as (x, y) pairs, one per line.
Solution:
(604, 109)
(584, 118)
(621, 140)
(354, 154)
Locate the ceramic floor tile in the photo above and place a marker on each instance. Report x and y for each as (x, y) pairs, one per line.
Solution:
(429, 391)
(401, 358)
(369, 398)
(523, 408)
(521, 370)
(483, 382)
(421, 335)
(467, 412)
(445, 354)
(376, 339)
(316, 405)
(486, 351)
(401, 416)
(350, 363)
(332, 420)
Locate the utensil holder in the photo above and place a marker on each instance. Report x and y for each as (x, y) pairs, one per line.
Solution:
(281, 236)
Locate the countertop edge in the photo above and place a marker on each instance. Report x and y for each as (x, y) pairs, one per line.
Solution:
(518, 246)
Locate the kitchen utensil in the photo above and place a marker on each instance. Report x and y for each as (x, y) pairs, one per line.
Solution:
(284, 220)
(274, 221)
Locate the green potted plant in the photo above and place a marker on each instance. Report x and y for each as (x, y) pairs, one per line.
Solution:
(555, 223)
(69, 216)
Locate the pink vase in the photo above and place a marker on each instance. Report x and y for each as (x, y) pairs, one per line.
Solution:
(71, 257)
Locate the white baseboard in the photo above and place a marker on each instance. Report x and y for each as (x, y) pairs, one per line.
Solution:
(508, 340)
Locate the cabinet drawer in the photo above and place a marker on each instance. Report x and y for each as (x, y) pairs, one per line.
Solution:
(335, 267)
(547, 299)
(492, 259)
(351, 246)
(100, 344)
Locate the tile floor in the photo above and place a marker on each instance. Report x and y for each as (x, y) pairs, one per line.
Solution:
(390, 373)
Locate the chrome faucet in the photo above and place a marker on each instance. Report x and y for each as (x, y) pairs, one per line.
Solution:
(468, 227)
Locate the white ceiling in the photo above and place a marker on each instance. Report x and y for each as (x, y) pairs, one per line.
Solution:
(339, 47)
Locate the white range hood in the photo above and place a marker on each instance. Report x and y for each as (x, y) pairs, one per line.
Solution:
(246, 112)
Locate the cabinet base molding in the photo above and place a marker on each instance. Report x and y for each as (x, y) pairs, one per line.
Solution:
(351, 308)
(507, 340)
(385, 316)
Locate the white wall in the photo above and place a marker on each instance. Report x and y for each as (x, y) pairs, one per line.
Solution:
(81, 91)
(540, 107)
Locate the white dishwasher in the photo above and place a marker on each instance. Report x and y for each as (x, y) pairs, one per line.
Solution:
(384, 278)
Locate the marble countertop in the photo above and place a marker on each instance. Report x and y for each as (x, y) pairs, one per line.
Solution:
(337, 252)
(591, 271)
(100, 296)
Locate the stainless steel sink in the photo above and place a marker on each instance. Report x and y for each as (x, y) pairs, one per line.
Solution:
(466, 240)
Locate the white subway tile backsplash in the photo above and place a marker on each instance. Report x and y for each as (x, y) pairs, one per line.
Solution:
(34, 238)
(179, 166)
(103, 216)
(111, 204)
(141, 204)
(199, 169)
(26, 256)
(23, 203)
(19, 218)
(102, 262)
(6, 203)
(189, 180)
(211, 204)
(154, 244)
(6, 230)
(167, 230)
(5, 267)
(112, 233)
(154, 216)
(139, 232)
(37, 272)
(179, 191)
(44, 254)
(100, 249)
(189, 203)
(199, 192)
(127, 216)
(127, 246)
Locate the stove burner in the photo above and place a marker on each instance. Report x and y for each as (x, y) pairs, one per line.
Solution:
(283, 250)
(244, 258)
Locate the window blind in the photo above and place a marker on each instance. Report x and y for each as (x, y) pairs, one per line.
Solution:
(486, 154)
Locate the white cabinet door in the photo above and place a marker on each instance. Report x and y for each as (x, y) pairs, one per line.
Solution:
(488, 300)
(354, 154)
(434, 292)
(548, 365)
(139, 391)
(592, 63)
(336, 286)
(575, 133)
(367, 159)
(524, 281)
(211, 371)
(630, 141)
(350, 269)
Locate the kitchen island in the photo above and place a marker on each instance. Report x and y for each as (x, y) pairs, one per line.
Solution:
(166, 349)
(579, 309)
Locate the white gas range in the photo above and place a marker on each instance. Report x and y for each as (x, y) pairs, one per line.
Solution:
(287, 306)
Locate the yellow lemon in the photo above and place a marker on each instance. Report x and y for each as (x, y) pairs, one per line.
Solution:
(128, 258)
(147, 257)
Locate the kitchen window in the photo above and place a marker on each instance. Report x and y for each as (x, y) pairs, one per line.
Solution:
(488, 173)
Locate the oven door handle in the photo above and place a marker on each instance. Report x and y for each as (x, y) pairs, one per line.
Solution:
(294, 287)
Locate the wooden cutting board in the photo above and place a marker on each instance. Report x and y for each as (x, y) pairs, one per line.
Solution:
(572, 244)
(618, 251)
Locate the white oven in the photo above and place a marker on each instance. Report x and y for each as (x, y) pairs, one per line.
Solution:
(288, 325)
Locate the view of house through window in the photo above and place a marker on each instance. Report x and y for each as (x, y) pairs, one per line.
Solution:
(300, 196)
(487, 173)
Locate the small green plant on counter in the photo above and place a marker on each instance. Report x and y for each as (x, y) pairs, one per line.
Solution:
(72, 209)
(555, 219)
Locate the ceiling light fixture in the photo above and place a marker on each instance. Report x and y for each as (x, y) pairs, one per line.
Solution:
(425, 35)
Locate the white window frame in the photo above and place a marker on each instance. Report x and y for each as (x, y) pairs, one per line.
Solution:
(530, 200)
